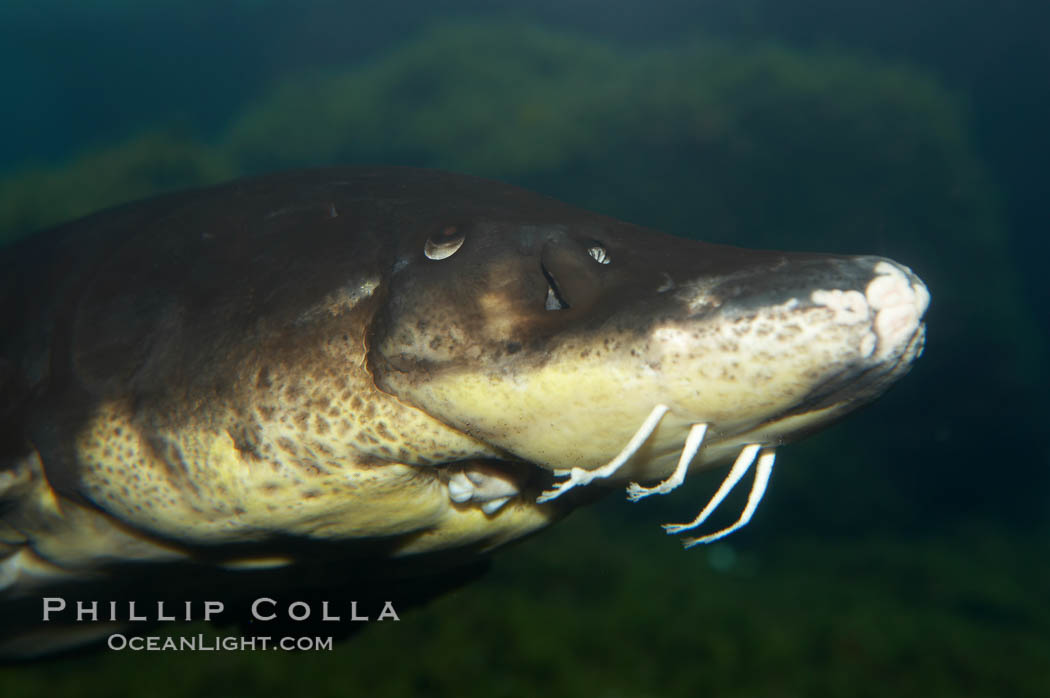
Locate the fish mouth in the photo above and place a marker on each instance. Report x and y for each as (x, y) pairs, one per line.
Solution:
(490, 484)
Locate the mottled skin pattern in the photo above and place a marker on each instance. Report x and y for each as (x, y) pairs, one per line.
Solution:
(209, 384)
(235, 375)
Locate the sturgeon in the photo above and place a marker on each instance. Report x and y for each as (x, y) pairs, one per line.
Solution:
(383, 364)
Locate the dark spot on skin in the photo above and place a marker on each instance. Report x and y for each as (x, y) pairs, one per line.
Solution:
(293, 392)
(302, 419)
(267, 412)
(355, 403)
(263, 380)
(117, 431)
(403, 454)
(245, 440)
(239, 511)
(269, 487)
(384, 432)
(321, 425)
(513, 347)
(367, 461)
(287, 445)
(311, 494)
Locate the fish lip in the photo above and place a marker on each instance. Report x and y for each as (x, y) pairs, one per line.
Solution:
(532, 479)
(528, 476)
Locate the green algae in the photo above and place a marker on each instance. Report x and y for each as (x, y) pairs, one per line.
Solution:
(105, 176)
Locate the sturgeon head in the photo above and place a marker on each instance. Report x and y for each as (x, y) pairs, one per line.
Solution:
(606, 352)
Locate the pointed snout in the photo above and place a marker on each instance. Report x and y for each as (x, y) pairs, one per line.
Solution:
(875, 293)
(795, 334)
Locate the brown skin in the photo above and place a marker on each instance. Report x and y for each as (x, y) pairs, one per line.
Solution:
(253, 360)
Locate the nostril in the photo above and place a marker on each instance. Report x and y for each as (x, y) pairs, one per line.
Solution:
(554, 300)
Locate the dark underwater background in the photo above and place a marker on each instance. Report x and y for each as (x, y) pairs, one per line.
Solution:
(904, 552)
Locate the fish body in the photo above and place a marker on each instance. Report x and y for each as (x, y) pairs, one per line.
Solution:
(395, 363)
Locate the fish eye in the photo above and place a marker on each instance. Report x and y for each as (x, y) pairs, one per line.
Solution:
(444, 244)
(598, 253)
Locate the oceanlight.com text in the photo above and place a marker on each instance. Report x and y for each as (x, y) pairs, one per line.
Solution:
(119, 642)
